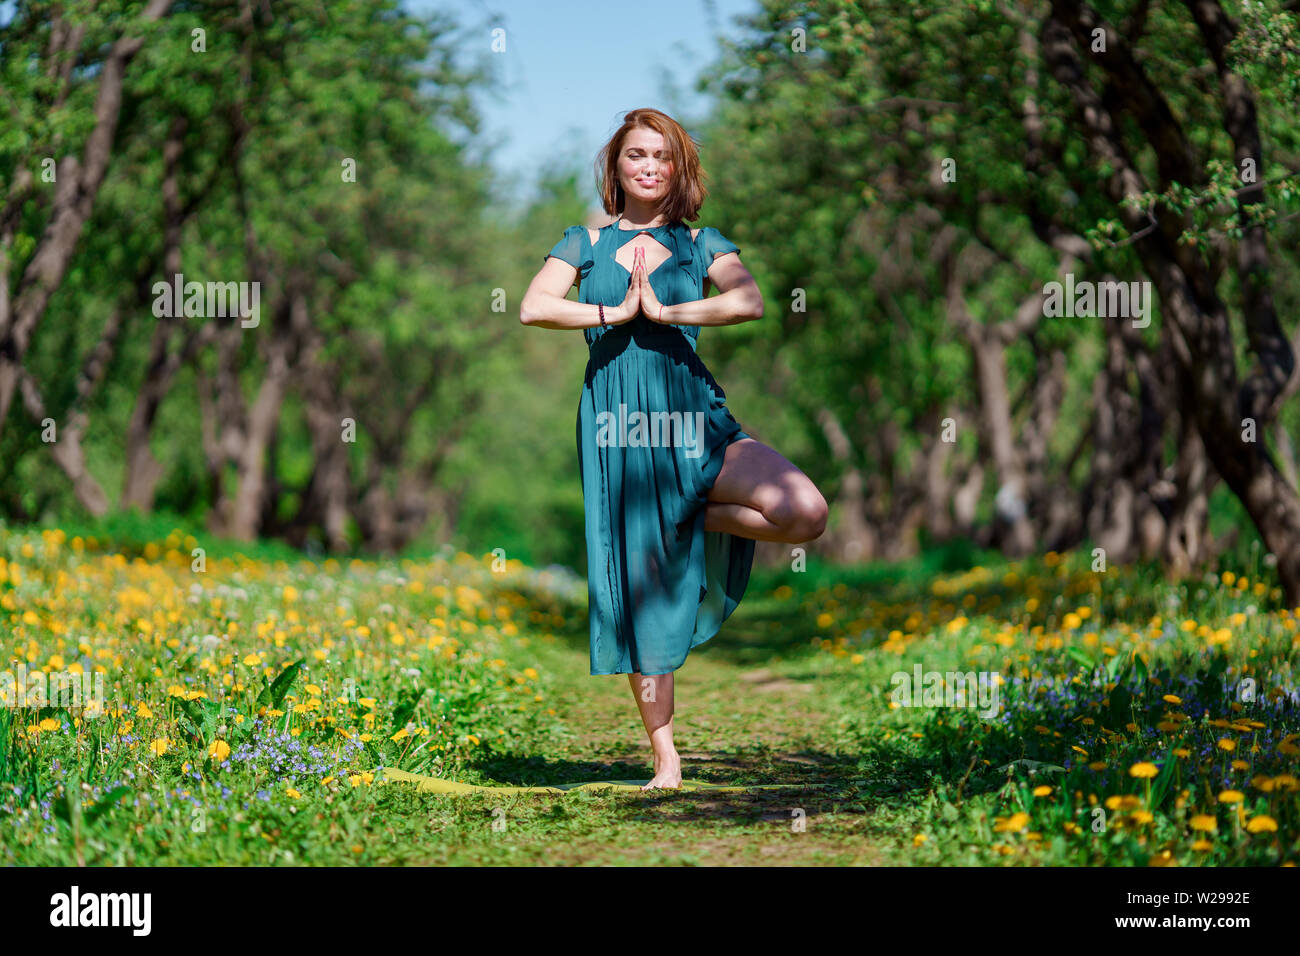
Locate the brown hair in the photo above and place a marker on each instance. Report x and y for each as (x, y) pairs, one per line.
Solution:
(686, 192)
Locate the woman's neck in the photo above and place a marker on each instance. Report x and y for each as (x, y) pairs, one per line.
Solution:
(639, 216)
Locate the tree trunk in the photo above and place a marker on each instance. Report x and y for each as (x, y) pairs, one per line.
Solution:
(1230, 418)
(76, 186)
(853, 538)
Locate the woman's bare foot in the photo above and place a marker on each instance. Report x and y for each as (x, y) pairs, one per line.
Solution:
(668, 773)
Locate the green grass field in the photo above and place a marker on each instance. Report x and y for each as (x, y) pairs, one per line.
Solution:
(248, 705)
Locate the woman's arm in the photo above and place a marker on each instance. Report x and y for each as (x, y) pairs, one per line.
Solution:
(544, 304)
(739, 299)
(546, 310)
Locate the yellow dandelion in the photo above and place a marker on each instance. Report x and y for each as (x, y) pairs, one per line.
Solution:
(1017, 821)
(1262, 824)
(1231, 796)
(159, 746)
(1144, 770)
(219, 750)
(1042, 791)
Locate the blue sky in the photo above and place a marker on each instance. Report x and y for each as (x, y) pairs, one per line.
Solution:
(572, 69)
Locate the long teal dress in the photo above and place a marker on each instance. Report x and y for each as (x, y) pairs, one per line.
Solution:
(658, 584)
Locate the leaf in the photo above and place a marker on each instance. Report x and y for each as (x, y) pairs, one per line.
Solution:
(63, 808)
(106, 803)
(407, 700)
(1080, 656)
(1160, 786)
(280, 688)
(1140, 667)
(1113, 665)
(1120, 712)
(6, 719)
(201, 717)
(1208, 679)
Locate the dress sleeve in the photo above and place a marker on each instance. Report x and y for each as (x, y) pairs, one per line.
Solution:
(574, 248)
(712, 243)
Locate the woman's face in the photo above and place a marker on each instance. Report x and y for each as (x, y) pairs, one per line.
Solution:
(644, 168)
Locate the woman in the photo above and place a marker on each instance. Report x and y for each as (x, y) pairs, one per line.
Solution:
(675, 493)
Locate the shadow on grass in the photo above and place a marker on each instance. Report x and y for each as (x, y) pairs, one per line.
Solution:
(818, 781)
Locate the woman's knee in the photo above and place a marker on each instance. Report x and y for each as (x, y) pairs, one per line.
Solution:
(802, 513)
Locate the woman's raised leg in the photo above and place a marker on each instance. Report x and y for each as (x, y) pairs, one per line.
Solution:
(760, 495)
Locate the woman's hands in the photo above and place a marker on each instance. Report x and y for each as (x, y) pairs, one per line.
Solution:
(631, 306)
(650, 305)
(640, 298)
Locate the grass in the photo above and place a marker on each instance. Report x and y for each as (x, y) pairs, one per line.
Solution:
(247, 705)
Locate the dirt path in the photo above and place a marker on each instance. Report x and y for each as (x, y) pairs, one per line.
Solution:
(737, 721)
